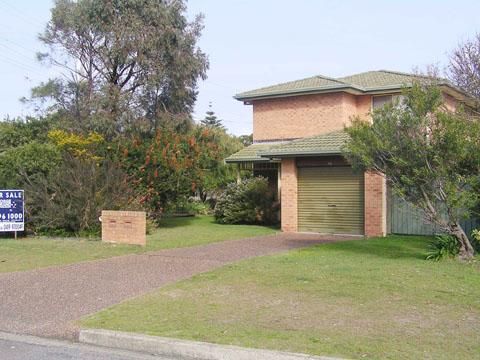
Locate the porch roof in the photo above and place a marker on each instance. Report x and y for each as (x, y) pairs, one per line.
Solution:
(250, 153)
(324, 144)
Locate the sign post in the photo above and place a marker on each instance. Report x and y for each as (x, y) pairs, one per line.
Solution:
(12, 215)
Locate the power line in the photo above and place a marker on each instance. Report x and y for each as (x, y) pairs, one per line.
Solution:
(18, 45)
(20, 14)
(19, 63)
(10, 49)
(24, 60)
(25, 66)
(13, 63)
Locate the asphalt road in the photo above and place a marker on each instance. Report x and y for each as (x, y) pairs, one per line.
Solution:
(19, 347)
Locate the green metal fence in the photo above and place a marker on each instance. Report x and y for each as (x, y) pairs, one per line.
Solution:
(403, 218)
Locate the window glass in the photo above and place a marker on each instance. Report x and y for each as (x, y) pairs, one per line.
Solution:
(381, 101)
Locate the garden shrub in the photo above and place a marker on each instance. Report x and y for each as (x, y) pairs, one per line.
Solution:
(476, 239)
(197, 207)
(443, 246)
(249, 202)
(70, 200)
(21, 162)
(187, 206)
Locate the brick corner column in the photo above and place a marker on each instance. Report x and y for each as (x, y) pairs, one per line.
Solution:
(289, 214)
(375, 204)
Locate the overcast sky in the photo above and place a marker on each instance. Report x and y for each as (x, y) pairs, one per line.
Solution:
(253, 43)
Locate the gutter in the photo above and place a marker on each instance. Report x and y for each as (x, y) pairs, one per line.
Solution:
(253, 160)
(303, 91)
(299, 153)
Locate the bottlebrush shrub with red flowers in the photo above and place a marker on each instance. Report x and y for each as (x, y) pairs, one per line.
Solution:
(168, 168)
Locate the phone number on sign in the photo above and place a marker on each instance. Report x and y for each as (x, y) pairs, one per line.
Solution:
(11, 216)
(11, 227)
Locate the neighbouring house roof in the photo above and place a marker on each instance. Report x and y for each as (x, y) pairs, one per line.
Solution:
(250, 153)
(363, 83)
(325, 144)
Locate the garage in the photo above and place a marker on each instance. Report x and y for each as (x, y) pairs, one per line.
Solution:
(330, 200)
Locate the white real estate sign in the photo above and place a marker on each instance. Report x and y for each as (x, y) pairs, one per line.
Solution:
(12, 216)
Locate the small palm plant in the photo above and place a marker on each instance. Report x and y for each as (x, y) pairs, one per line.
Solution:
(441, 247)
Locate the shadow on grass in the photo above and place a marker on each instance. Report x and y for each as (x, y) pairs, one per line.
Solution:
(391, 247)
(275, 227)
(178, 221)
(172, 222)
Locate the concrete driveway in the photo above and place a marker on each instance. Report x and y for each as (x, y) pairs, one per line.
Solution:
(46, 302)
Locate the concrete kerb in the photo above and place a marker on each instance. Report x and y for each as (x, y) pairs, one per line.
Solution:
(62, 345)
(184, 349)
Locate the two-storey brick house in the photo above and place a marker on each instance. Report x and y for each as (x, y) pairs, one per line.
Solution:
(298, 138)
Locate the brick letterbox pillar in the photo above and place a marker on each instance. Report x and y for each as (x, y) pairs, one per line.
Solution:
(124, 227)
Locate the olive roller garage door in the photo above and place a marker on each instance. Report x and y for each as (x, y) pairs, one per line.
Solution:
(330, 200)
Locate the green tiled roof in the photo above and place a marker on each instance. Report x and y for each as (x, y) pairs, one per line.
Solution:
(325, 144)
(303, 85)
(249, 153)
(374, 80)
(370, 81)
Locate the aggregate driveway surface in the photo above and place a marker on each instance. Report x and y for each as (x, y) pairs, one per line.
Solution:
(46, 302)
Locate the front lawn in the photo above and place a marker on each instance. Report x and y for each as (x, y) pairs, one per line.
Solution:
(373, 298)
(31, 253)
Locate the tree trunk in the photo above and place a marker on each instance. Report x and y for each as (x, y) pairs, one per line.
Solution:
(466, 248)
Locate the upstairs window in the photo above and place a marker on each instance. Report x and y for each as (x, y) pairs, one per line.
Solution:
(380, 101)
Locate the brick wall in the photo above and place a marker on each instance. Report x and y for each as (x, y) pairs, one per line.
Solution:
(124, 227)
(375, 204)
(289, 211)
(307, 115)
(364, 106)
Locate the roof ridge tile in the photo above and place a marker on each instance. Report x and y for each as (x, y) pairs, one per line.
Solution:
(331, 79)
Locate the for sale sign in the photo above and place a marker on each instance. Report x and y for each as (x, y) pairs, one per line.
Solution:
(11, 210)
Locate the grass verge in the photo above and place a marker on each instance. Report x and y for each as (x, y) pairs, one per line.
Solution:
(373, 298)
(32, 253)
